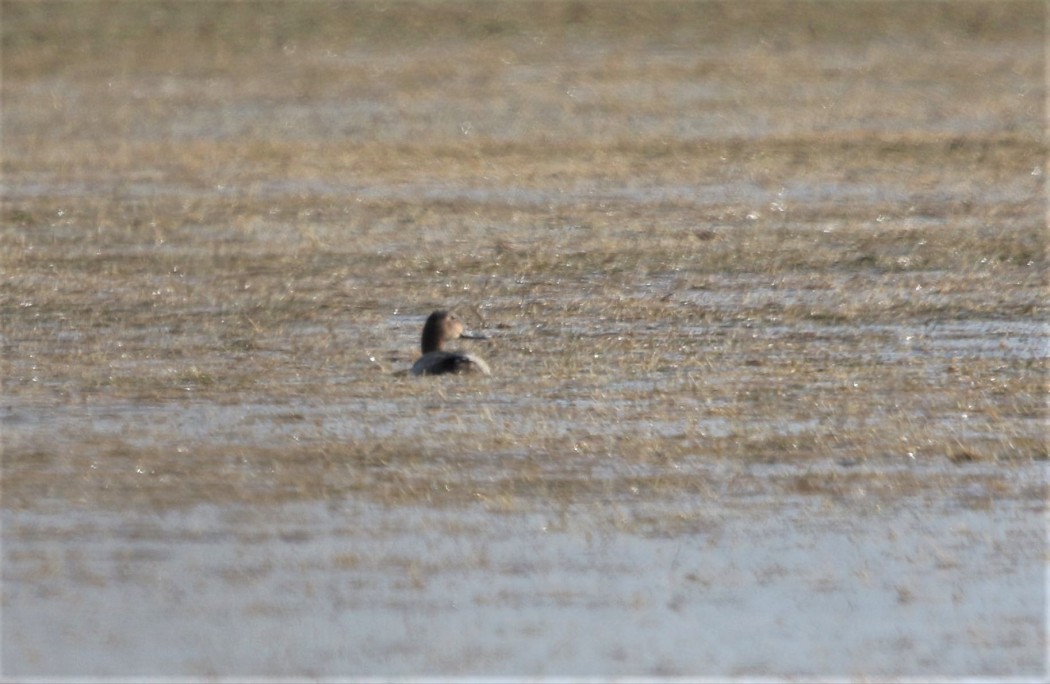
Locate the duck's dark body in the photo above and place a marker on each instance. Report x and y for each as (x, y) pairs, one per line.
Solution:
(441, 362)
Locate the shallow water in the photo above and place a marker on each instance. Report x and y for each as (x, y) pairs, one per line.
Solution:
(758, 586)
(768, 336)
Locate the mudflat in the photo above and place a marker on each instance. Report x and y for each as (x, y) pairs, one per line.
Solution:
(765, 286)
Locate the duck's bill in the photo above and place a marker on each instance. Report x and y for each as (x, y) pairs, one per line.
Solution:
(467, 335)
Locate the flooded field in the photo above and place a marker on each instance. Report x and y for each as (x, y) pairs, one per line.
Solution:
(765, 286)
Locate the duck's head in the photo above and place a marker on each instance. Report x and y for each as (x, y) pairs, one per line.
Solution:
(442, 327)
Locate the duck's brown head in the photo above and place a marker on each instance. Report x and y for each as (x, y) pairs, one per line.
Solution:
(442, 327)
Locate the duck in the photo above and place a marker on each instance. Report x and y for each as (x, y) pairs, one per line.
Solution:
(442, 327)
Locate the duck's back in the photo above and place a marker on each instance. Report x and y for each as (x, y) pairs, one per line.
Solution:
(441, 362)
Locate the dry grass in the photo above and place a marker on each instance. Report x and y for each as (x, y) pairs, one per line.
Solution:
(255, 228)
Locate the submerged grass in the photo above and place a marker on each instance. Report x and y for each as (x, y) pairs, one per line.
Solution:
(211, 309)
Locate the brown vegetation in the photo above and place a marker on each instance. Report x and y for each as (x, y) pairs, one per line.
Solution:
(768, 245)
